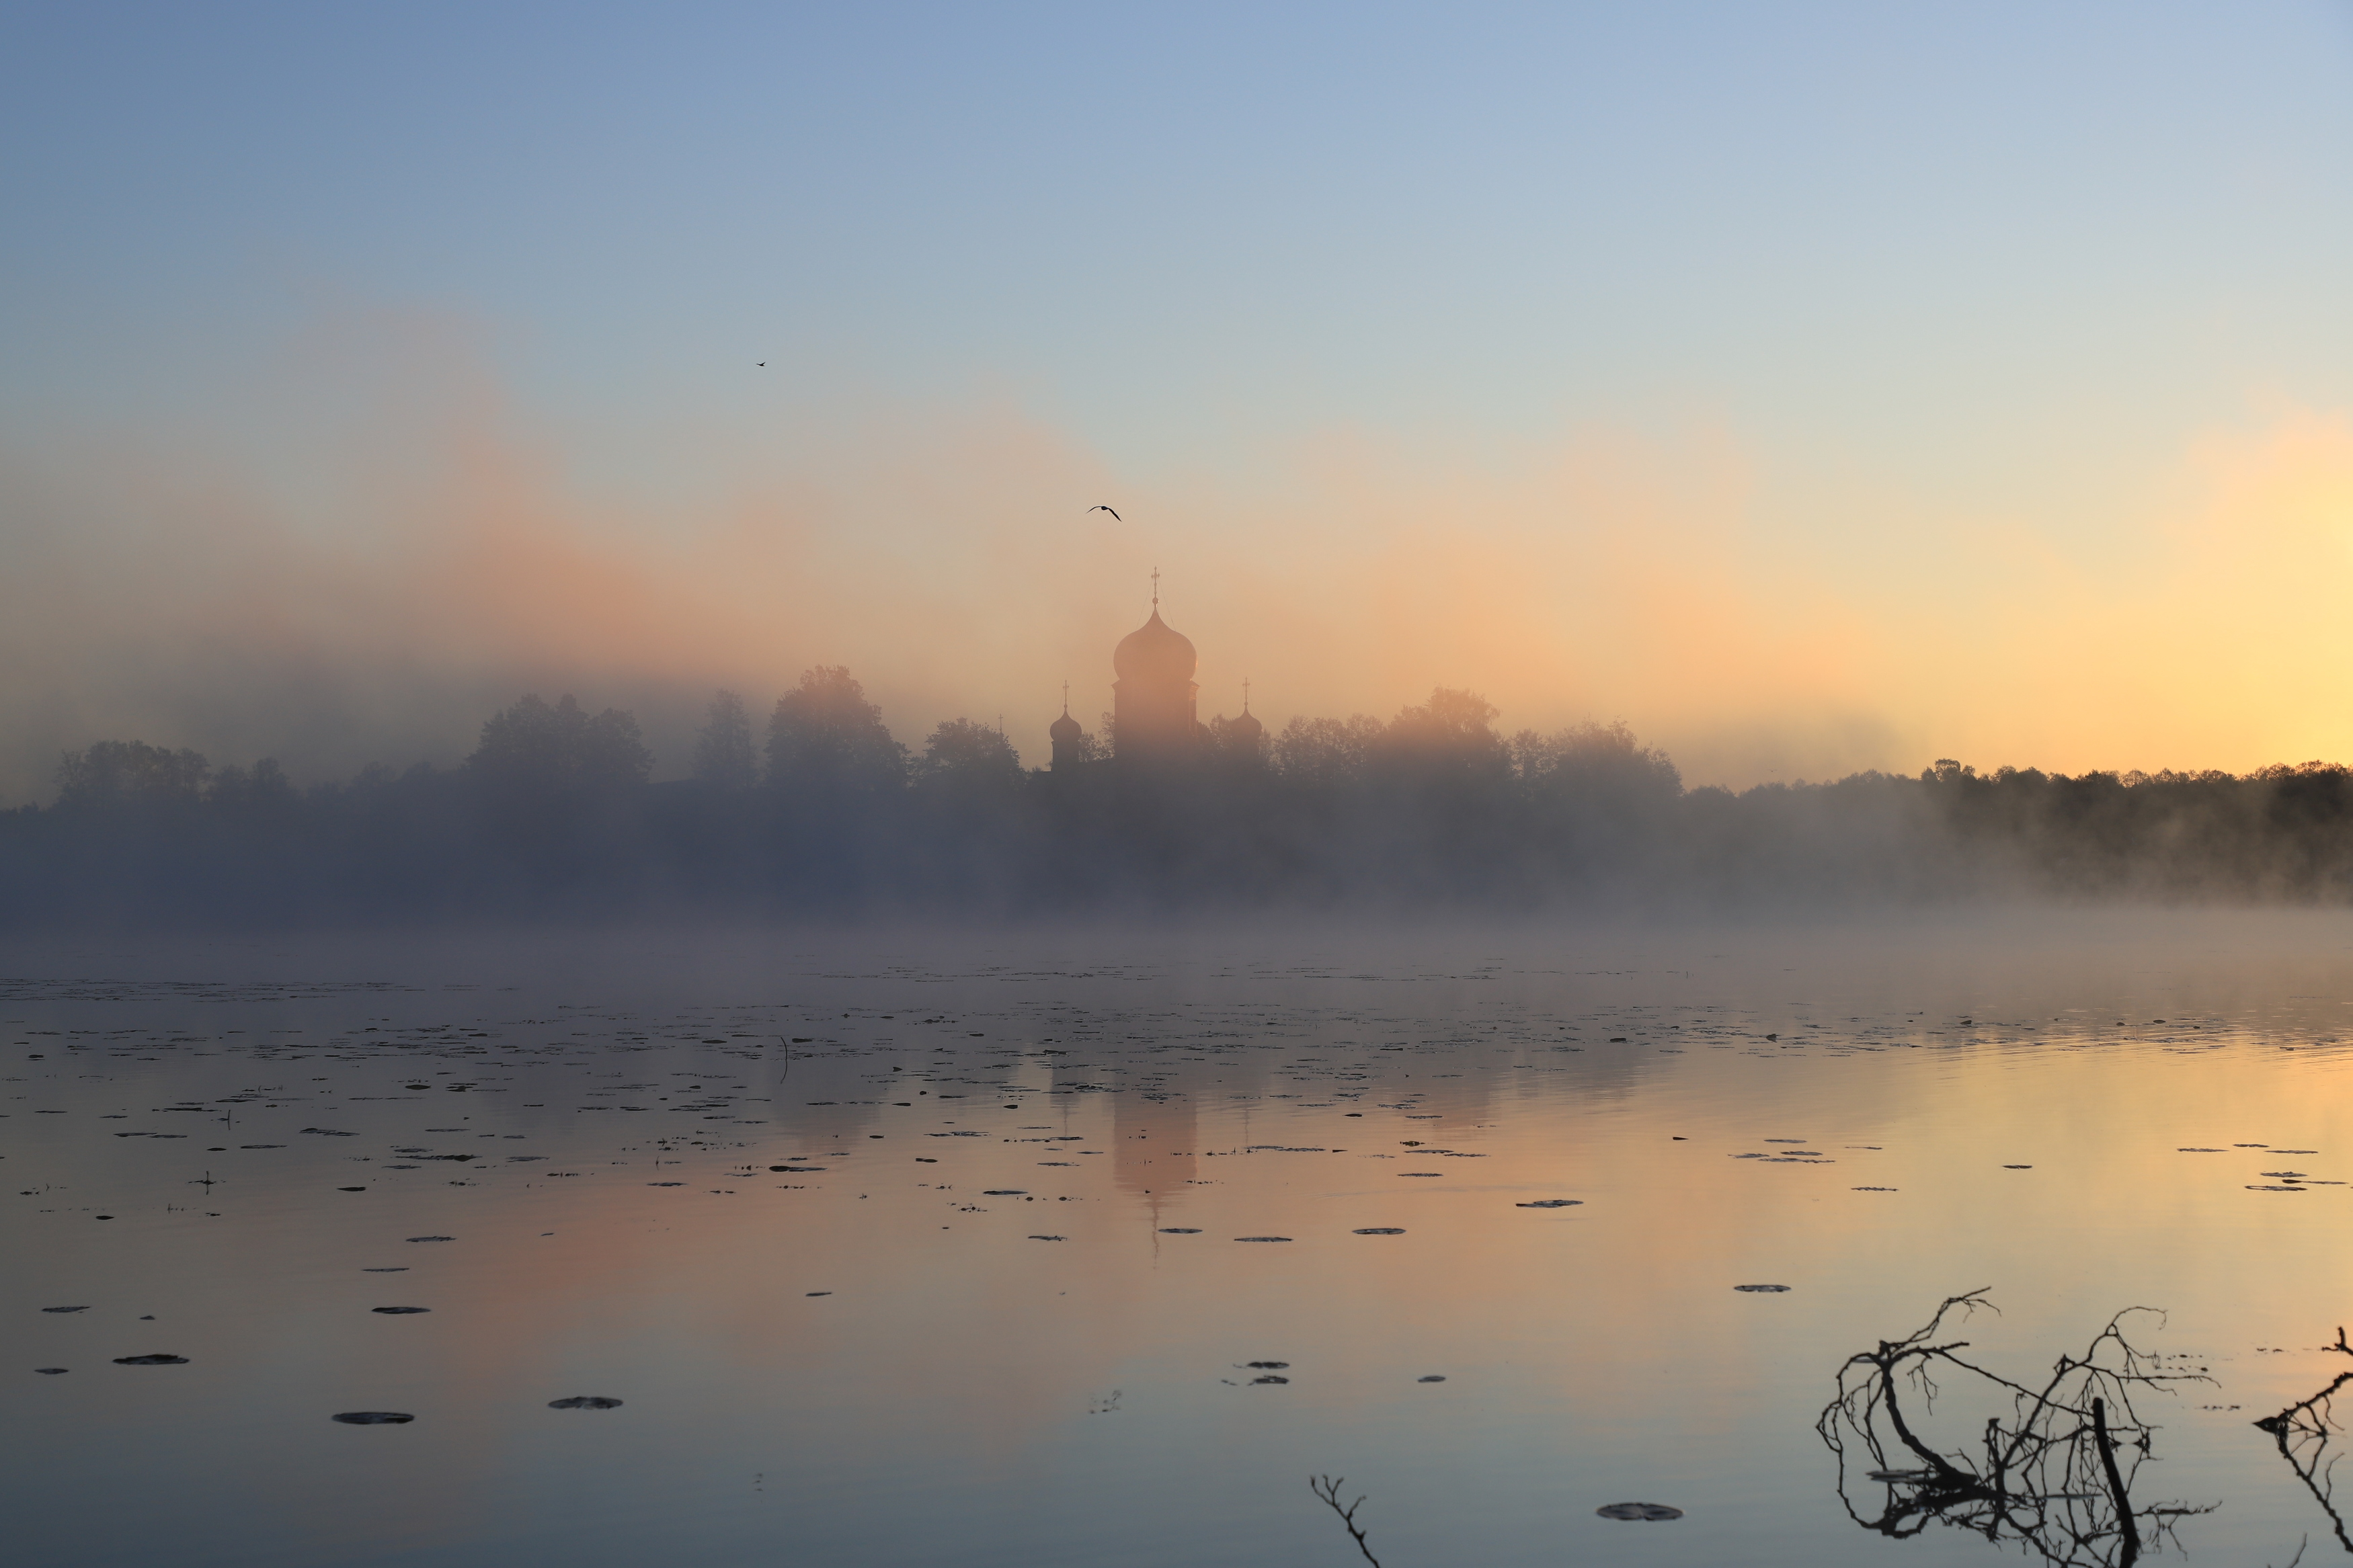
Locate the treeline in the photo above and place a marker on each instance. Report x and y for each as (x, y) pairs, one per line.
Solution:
(821, 812)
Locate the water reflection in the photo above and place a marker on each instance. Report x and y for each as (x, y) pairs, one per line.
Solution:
(2303, 1431)
(2056, 1477)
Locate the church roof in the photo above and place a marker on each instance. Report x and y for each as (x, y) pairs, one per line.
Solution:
(1155, 651)
(1065, 729)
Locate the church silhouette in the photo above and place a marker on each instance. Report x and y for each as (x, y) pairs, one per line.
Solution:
(1155, 703)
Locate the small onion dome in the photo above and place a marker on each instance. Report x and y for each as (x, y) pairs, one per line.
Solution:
(1154, 652)
(1064, 728)
(1247, 726)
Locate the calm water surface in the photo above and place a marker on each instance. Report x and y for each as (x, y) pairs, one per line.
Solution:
(1002, 1302)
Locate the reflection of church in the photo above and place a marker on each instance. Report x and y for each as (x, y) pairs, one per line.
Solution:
(1154, 701)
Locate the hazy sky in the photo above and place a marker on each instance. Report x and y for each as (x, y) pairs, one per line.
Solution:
(1813, 387)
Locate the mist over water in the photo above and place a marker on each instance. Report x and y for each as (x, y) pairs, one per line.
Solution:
(912, 1245)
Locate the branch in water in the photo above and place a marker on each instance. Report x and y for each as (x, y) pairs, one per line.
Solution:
(1328, 1489)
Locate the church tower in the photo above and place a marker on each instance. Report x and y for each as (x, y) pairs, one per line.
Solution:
(1155, 698)
(1066, 734)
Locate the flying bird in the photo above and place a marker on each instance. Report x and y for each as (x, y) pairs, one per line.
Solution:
(764, 364)
(1114, 516)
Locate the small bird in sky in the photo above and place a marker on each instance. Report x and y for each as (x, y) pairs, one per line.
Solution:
(764, 364)
(1114, 516)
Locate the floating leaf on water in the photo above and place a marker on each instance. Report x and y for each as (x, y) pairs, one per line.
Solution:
(81, 1309)
(351, 1189)
(374, 1417)
(665, 1184)
(1270, 1377)
(1431, 1377)
(150, 1360)
(806, 1169)
(1261, 1239)
(1762, 1290)
(432, 1238)
(1876, 1189)
(50, 1370)
(1380, 1230)
(1180, 1230)
(401, 1268)
(1003, 1192)
(1647, 1513)
(1422, 1172)
(399, 1312)
(816, 1292)
(1899, 1474)
(1551, 1203)
(2252, 1188)
(1049, 1238)
(1268, 1365)
(584, 1402)
(2018, 1167)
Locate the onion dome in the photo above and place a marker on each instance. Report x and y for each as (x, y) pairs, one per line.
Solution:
(1065, 727)
(1155, 653)
(1247, 726)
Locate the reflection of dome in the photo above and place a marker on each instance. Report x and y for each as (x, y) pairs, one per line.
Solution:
(1064, 728)
(1153, 653)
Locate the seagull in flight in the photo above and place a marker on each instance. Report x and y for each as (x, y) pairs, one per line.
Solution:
(1114, 516)
(764, 364)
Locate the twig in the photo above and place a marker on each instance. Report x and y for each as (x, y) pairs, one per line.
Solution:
(2129, 1552)
(1328, 1489)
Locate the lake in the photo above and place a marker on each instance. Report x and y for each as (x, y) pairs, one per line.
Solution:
(1092, 1247)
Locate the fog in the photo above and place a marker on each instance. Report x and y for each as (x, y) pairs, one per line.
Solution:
(371, 543)
(821, 812)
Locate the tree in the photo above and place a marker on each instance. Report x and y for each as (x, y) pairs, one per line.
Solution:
(534, 747)
(723, 752)
(825, 736)
(1588, 757)
(1452, 722)
(262, 795)
(963, 753)
(1325, 751)
(114, 772)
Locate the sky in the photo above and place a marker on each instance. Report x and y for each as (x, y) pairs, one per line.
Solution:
(1814, 387)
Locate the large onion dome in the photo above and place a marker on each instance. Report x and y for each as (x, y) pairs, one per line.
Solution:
(1155, 653)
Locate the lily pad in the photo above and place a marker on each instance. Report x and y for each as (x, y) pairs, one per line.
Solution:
(1646, 1512)
(374, 1417)
(584, 1402)
(150, 1360)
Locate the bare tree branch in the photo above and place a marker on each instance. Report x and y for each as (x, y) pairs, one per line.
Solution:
(1328, 1489)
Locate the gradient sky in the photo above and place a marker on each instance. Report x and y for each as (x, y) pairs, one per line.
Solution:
(1813, 387)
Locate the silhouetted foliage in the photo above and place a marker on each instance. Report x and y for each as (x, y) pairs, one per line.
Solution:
(968, 757)
(532, 747)
(1434, 808)
(723, 749)
(826, 737)
(120, 773)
